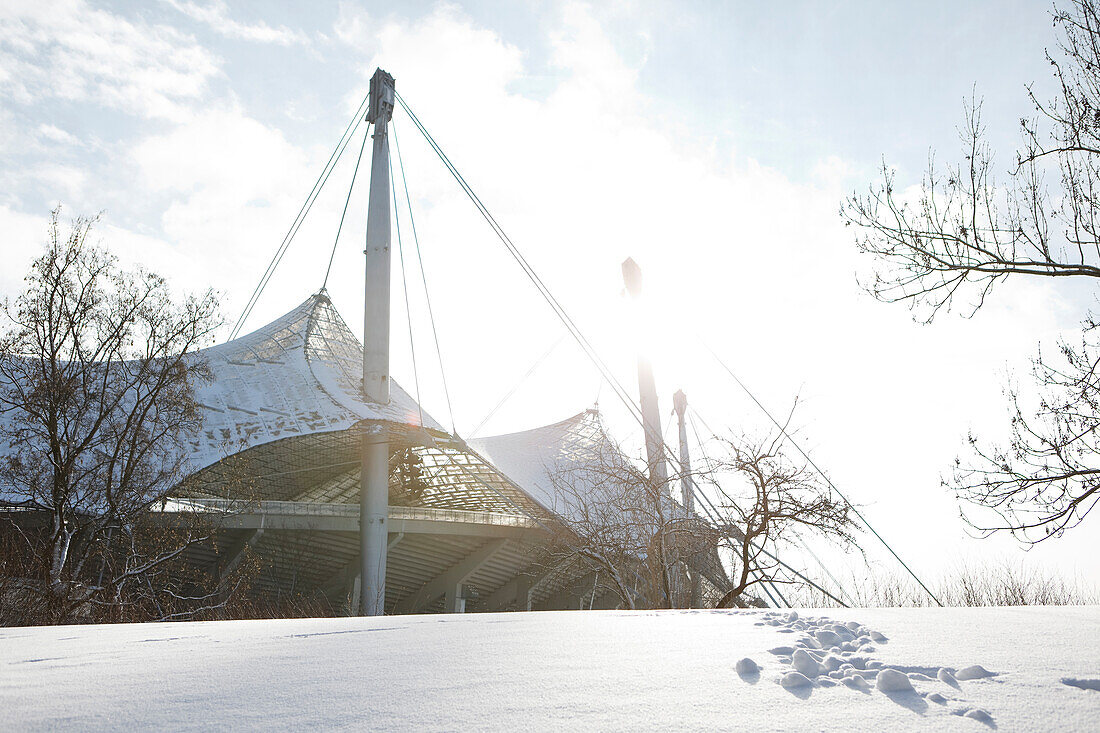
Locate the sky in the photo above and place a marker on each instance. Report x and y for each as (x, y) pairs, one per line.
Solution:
(711, 142)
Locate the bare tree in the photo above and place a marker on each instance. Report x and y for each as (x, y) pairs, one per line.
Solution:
(642, 546)
(963, 233)
(97, 376)
(768, 499)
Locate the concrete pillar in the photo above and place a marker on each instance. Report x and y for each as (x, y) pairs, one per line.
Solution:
(374, 500)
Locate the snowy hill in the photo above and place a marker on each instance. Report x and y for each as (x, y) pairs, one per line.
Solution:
(957, 669)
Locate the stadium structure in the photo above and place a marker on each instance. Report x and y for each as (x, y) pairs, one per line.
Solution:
(278, 467)
(314, 459)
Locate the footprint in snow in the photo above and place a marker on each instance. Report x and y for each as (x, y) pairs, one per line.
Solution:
(977, 714)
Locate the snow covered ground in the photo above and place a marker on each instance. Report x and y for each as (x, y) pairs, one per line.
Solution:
(974, 669)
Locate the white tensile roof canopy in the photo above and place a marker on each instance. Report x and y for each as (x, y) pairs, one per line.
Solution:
(284, 417)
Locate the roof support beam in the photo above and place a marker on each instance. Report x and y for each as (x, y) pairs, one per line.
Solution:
(571, 596)
(236, 552)
(280, 515)
(583, 593)
(346, 582)
(448, 583)
(516, 591)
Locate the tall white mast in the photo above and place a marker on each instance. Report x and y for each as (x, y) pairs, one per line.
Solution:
(374, 499)
(647, 390)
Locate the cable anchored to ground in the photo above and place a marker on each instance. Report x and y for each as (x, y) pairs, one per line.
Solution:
(827, 480)
(570, 325)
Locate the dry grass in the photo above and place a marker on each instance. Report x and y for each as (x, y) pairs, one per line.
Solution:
(989, 584)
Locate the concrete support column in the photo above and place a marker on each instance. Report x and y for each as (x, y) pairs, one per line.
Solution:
(376, 353)
(453, 602)
(523, 593)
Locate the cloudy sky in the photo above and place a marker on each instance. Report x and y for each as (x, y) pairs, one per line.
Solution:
(712, 142)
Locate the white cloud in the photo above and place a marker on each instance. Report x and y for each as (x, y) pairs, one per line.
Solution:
(215, 14)
(21, 238)
(231, 182)
(68, 50)
(56, 134)
(834, 172)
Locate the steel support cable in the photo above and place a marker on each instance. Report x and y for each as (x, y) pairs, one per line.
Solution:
(338, 151)
(424, 280)
(540, 285)
(344, 213)
(778, 593)
(517, 385)
(810, 461)
(764, 585)
(555, 305)
(764, 588)
(824, 569)
(405, 290)
(559, 310)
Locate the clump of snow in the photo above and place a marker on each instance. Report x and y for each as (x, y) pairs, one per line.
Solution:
(879, 637)
(973, 672)
(795, 679)
(979, 715)
(827, 638)
(805, 664)
(746, 667)
(1082, 684)
(858, 683)
(945, 676)
(937, 698)
(809, 642)
(782, 651)
(891, 680)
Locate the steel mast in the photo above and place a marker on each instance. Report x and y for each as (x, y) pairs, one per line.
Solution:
(375, 474)
(647, 390)
(687, 485)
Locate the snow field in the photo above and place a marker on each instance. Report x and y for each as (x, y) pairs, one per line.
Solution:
(974, 669)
